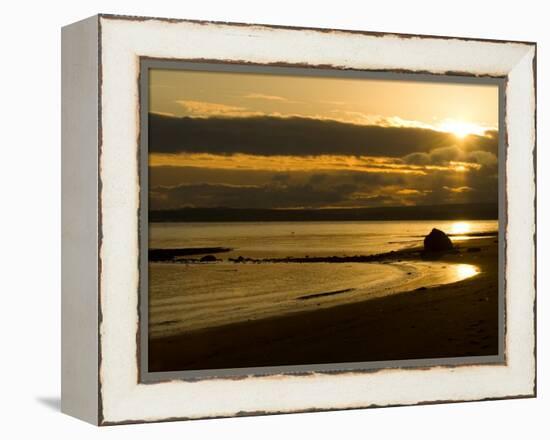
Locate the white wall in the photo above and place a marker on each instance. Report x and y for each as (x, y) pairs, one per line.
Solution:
(30, 220)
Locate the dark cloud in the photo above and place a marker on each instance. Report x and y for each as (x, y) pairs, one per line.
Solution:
(474, 186)
(375, 179)
(264, 135)
(444, 155)
(173, 187)
(316, 179)
(207, 195)
(280, 177)
(174, 176)
(180, 186)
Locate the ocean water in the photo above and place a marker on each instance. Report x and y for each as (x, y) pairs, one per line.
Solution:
(281, 239)
(188, 297)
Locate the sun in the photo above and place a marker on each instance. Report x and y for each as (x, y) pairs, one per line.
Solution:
(460, 129)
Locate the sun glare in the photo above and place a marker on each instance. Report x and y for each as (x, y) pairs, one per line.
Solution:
(460, 129)
(466, 271)
(460, 228)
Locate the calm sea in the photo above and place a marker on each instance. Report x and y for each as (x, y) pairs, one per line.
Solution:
(187, 297)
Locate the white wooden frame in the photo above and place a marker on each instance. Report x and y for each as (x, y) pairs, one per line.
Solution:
(100, 135)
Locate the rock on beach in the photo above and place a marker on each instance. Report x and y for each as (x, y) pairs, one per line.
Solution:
(437, 241)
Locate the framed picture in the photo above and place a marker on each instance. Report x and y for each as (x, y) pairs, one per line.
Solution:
(262, 219)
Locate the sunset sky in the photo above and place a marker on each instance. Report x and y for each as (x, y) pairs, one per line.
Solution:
(220, 139)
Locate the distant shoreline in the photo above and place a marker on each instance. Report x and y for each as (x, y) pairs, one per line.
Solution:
(476, 211)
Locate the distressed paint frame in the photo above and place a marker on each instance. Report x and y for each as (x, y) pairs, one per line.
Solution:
(117, 396)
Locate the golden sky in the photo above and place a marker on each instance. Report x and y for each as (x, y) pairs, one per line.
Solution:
(336, 141)
(361, 101)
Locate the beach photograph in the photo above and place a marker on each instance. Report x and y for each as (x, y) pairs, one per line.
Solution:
(299, 219)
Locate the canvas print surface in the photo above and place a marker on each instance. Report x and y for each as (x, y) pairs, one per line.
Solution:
(296, 219)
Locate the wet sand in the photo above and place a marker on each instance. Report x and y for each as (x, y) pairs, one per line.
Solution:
(452, 320)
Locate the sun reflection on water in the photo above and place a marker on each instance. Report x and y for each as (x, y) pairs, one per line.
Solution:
(464, 271)
(460, 228)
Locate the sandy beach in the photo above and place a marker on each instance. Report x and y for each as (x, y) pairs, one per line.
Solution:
(452, 320)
